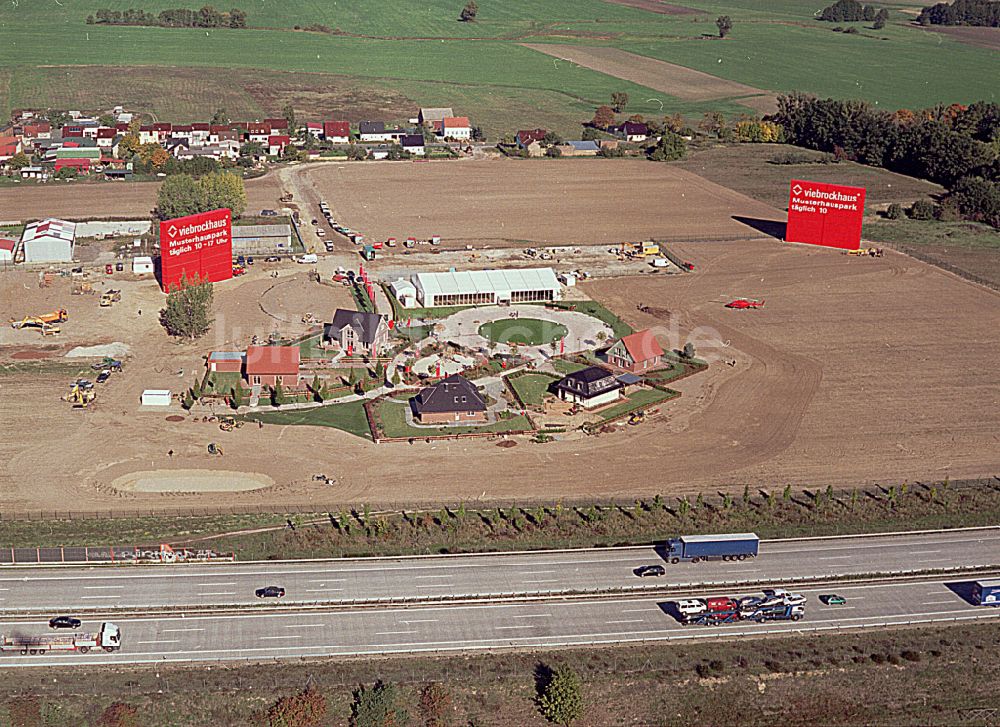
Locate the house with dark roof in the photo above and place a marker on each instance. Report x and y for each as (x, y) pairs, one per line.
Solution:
(413, 143)
(373, 131)
(630, 131)
(639, 351)
(590, 387)
(357, 332)
(266, 365)
(451, 400)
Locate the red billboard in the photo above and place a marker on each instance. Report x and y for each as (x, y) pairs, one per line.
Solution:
(196, 246)
(825, 214)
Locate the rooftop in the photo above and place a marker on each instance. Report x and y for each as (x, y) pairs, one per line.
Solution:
(272, 360)
(485, 281)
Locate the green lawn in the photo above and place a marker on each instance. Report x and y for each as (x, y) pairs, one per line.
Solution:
(566, 366)
(668, 373)
(311, 348)
(393, 416)
(347, 417)
(638, 399)
(222, 382)
(523, 331)
(532, 387)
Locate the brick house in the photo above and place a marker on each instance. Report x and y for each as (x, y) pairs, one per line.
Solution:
(265, 365)
(590, 387)
(637, 352)
(454, 399)
(225, 362)
(357, 332)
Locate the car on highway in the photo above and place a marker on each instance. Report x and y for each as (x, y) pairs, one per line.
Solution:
(270, 592)
(833, 599)
(650, 570)
(64, 622)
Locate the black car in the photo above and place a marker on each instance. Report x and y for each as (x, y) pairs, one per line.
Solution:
(270, 592)
(103, 376)
(650, 570)
(64, 622)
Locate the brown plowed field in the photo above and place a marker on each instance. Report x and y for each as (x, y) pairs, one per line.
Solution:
(856, 370)
(534, 201)
(678, 81)
(96, 200)
(655, 6)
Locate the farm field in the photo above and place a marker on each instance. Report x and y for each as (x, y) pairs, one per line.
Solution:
(882, 405)
(541, 201)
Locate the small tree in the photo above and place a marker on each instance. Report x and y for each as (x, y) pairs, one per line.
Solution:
(699, 502)
(619, 100)
(278, 393)
(604, 117)
(922, 209)
(683, 507)
(786, 494)
(880, 19)
(435, 704)
(469, 12)
(688, 350)
(188, 313)
(376, 706)
(305, 709)
(18, 161)
(379, 371)
(551, 138)
(894, 211)
(669, 148)
(67, 173)
(553, 152)
(746, 495)
(239, 396)
(725, 24)
(561, 699)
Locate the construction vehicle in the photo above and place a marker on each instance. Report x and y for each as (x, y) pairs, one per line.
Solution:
(107, 363)
(228, 424)
(745, 303)
(110, 297)
(83, 289)
(391, 242)
(214, 449)
(869, 251)
(285, 198)
(726, 546)
(80, 395)
(57, 316)
(108, 638)
(637, 418)
(309, 317)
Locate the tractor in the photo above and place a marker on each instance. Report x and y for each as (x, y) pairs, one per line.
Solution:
(745, 303)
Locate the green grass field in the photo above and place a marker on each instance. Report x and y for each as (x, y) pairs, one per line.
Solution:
(416, 53)
(638, 399)
(393, 417)
(347, 417)
(523, 331)
(532, 388)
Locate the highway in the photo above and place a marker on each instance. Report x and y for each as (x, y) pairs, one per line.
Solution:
(441, 628)
(79, 589)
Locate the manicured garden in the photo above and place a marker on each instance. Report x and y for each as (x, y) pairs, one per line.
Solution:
(391, 414)
(523, 331)
(531, 388)
(638, 399)
(348, 417)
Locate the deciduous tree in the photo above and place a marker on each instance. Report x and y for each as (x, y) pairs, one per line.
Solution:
(376, 706)
(725, 25)
(669, 148)
(188, 312)
(469, 12)
(604, 117)
(619, 100)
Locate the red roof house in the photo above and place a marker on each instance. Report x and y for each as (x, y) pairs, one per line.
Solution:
(265, 365)
(277, 124)
(639, 351)
(337, 131)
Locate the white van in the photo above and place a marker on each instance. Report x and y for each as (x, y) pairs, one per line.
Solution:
(310, 258)
(691, 607)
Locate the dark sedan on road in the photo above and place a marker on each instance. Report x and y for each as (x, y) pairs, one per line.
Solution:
(64, 622)
(833, 600)
(650, 570)
(270, 592)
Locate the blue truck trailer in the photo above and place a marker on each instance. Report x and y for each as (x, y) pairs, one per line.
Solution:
(727, 546)
(986, 593)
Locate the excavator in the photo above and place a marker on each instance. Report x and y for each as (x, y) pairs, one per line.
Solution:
(46, 324)
(81, 394)
(110, 297)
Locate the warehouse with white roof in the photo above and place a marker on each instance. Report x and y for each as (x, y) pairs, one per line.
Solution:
(49, 241)
(486, 287)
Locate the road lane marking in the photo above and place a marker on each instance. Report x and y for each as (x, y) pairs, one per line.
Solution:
(439, 575)
(433, 585)
(322, 590)
(420, 621)
(219, 593)
(835, 557)
(521, 626)
(639, 610)
(304, 626)
(924, 552)
(936, 603)
(535, 572)
(933, 560)
(109, 595)
(160, 641)
(551, 580)
(391, 633)
(534, 615)
(326, 580)
(285, 636)
(233, 583)
(626, 621)
(170, 631)
(95, 587)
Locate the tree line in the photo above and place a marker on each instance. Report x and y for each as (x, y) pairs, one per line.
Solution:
(851, 11)
(207, 17)
(956, 146)
(962, 12)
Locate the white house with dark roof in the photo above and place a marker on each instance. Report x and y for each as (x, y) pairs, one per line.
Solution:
(590, 387)
(451, 400)
(357, 332)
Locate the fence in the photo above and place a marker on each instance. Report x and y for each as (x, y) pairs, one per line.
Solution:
(944, 265)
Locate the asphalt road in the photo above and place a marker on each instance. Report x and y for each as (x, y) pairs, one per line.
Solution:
(71, 588)
(443, 628)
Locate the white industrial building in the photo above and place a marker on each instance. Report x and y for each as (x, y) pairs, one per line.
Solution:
(486, 287)
(49, 241)
(262, 239)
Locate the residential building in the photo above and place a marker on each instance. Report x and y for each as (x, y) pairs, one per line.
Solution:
(278, 125)
(487, 287)
(579, 148)
(229, 362)
(337, 132)
(456, 127)
(531, 141)
(106, 137)
(414, 144)
(371, 131)
(49, 240)
(590, 387)
(639, 351)
(7, 248)
(258, 133)
(454, 399)
(276, 144)
(314, 129)
(266, 365)
(357, 332)
(630, 131)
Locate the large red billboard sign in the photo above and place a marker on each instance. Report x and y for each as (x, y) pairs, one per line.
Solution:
(196, 246)
(825, 214)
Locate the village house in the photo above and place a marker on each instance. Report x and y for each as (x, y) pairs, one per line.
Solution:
(276, 144)
(430, 116)
(531, 141)
(630, 131)
(266, 365)
(454, 399)
(372, 131)
(639, 351)
(337, 132)
(456, 128)
(258, 133)
(357, 333)
(579, 149)
(414, 144)
(314, 129)
(590, 387)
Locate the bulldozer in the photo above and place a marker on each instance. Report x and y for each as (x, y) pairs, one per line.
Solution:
(110, 297)
(80, 396)
(228, 424)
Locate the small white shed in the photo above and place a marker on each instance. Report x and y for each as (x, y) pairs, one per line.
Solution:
(156, 397)
(142, 265)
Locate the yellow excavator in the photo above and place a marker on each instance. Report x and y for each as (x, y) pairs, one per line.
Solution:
(110, 297)
(80, 395)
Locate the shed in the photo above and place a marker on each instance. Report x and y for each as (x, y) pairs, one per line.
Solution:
(156, 397)
(7, 248)
(142, 265)
(50, 240)
(225, 362)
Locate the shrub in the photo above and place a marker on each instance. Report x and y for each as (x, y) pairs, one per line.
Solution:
(305, 709)
(922, 209)
(561, 699)
(910, 655)
(435, 704)
(894, 211)
(376, 706)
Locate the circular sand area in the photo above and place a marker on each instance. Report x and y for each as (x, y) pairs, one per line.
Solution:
(191, 481)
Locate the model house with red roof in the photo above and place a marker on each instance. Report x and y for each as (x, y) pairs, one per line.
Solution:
(639, 351)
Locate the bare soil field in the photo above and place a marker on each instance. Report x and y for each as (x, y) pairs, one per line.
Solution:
(981, 37)
(855, 371)
(538, 201)
(95, 200)
(678, 81)
(655, 6)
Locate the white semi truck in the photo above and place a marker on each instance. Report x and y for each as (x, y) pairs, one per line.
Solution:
(108, 638)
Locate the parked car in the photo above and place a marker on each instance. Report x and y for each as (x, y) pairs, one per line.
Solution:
(650, 570)
(315, 222)
(272, 259)
(64, 622)
(104, 376)
(833, 600)
(270, 592)
(268, 213)
(320, 231)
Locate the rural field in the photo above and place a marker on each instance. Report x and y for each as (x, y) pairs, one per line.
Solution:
(540, 201)
(855, 371)
(420, 53)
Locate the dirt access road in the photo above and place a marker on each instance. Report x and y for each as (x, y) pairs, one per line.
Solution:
(855, 371)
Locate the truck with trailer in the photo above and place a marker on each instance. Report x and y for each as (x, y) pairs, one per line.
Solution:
(777, 612)
(726, 546)
(723, 609)
(986, 593)
(108, 638)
